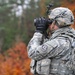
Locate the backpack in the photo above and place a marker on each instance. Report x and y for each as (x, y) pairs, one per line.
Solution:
(73, 55)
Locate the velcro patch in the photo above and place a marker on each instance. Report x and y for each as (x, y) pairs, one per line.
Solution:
(44, 47)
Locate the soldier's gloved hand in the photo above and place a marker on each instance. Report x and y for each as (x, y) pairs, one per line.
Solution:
(41, 25)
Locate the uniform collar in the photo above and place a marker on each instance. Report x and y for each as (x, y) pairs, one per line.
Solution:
(60, 31)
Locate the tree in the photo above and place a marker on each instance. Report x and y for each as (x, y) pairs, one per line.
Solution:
(29, 14)
(17, 28)
(8, 21)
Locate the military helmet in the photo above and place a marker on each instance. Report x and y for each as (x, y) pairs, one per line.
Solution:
(63, 16)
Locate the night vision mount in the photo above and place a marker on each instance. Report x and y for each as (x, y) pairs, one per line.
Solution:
(49, 7)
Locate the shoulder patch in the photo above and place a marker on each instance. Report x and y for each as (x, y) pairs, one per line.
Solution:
(44, 47)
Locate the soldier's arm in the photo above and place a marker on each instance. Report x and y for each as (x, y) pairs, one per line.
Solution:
(49, 49)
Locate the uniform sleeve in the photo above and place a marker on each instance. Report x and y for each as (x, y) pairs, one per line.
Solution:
(51, 48)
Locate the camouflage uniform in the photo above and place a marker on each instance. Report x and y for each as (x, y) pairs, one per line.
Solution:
(52, 56)
(57, 48)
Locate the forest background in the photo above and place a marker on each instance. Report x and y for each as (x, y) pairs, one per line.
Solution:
(17, 28)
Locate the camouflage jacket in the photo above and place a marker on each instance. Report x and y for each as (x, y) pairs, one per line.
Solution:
(57, 48)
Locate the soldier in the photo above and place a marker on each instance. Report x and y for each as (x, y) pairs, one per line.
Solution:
(52, 55)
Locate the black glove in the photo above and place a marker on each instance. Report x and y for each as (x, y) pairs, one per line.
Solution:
(41, 25)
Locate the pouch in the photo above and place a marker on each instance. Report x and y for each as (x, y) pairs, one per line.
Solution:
(33, 66)
(43, 66)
